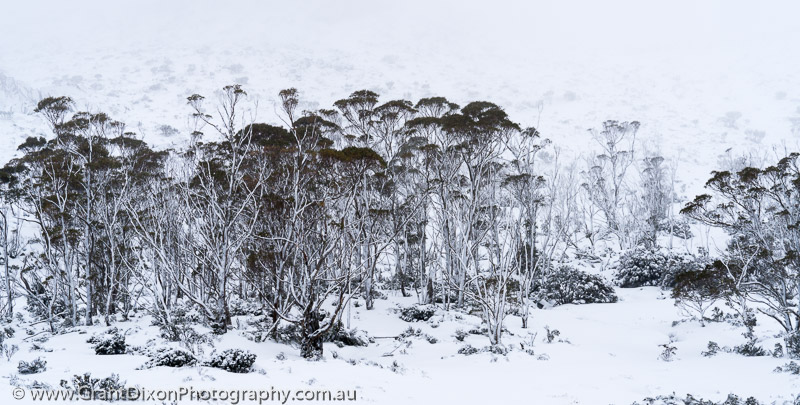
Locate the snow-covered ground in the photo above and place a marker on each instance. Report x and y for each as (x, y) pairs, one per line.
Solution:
(605, 353)
(702, 77)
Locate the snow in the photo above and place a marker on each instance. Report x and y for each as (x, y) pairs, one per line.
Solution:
(606, 353)
(679, 67)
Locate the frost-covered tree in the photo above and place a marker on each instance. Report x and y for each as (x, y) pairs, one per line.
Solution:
(760, 210)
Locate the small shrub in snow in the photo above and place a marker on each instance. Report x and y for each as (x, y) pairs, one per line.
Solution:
(460, 335)
(750, 348)
(36, 366)
(567, 285)
(668, 353)
(97, 388)
(115, 344)
(351, 337)
(417, 313)
(551, 334)
(8, 350)
(233, 360)
(171, 358)
(790, 367)
(713, 349)
(287, 334)
(468, 350)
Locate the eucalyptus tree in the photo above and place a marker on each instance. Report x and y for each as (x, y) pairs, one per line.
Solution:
(221, 194)
(759, 207)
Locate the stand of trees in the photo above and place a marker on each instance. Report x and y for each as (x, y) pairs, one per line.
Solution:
(459, 206)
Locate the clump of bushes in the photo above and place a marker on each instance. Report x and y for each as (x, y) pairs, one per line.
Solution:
(233, 360)
(36, 366)
(643, 267)
(567, 285)
(417, 313)
(692, 400)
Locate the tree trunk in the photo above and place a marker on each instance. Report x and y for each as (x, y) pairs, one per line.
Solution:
(311, 346)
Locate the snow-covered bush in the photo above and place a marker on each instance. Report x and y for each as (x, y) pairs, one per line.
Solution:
(35, 366)
(468, 350)
(171, 358)
(713, 349)
(673, 399)
(347, 337)
(567, 285)
(352, 337)
(790, 367)
(289, 333)
(641, 267)
(233, 360)
(96, 387)
(750, 349)
(411, 332)
(114, 344)
(417, 313)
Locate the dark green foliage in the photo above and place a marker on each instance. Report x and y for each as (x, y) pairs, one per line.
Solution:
(696, 290)
(270, 136)
(567, 285)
